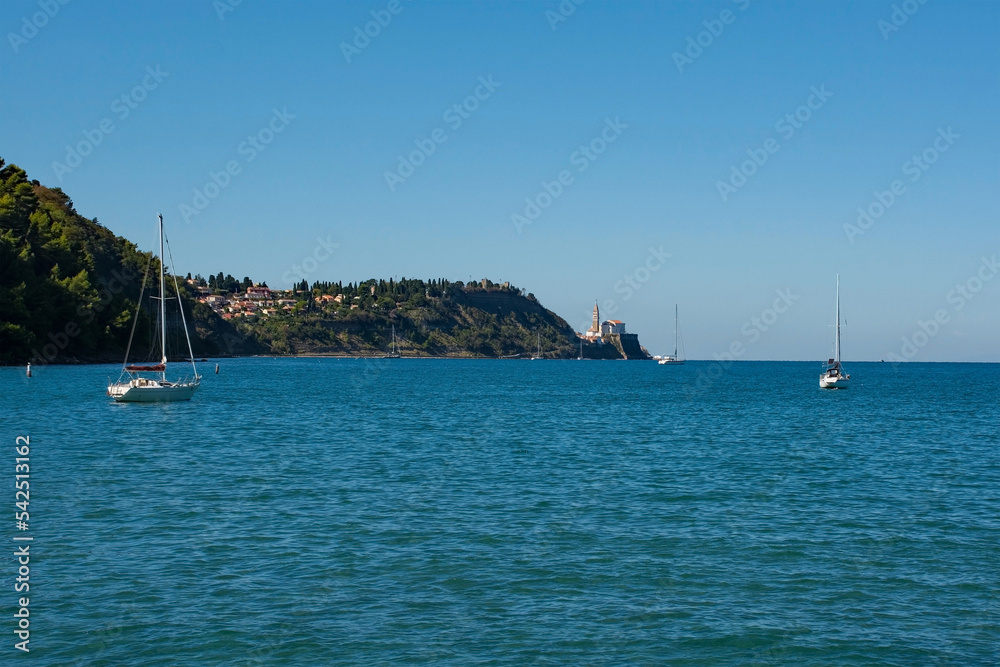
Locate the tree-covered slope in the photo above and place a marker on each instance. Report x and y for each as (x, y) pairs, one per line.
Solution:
(68, 285)
(431, 318)
(69, 288)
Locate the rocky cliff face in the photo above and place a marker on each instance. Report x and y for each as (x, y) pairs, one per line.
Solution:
(620, 346)
(631, 348)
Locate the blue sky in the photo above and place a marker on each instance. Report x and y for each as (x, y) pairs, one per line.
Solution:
(224, 79)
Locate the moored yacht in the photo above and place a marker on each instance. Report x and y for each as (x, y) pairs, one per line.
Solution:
(834, 376)
(674, 358)
(147, 383)
(394, 354)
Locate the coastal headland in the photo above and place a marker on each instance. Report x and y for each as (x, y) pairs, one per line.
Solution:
(70, 286)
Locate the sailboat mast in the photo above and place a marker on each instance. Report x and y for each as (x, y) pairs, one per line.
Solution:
(675, 331)
(163, 302)
(838, 320)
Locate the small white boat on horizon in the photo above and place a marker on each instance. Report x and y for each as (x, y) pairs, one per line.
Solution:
(834, 376)
(674, 358)
(538, 354)
(394, 354)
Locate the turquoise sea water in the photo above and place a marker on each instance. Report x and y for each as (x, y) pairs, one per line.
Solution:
(334, 511)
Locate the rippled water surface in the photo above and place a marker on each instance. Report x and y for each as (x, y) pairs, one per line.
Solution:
(334, 511)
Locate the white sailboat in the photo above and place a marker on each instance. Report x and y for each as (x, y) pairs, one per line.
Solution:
(673, 359)
(538, 354)
(147, 383)
(395, 351)
(834, 377)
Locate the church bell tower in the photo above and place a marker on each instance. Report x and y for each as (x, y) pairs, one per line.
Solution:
(595, 328)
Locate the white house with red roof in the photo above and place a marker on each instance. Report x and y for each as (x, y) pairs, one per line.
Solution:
(612, 327)
(258, 293)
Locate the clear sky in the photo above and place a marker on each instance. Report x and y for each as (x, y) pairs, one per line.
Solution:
(833, 101)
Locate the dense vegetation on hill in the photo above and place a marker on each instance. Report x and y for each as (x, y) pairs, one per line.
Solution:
(69, 287)
(432, 317)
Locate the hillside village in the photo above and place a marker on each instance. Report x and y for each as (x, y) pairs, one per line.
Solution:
(71, 288)
(258, 300)
(480, 318)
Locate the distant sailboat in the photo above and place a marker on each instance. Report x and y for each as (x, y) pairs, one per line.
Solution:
(580, 358)
(148, 383)
(538, 354)
(834, 377)
(673, 359)
(394, 354)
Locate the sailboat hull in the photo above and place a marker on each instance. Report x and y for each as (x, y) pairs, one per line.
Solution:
(130, 392)
(833, 383)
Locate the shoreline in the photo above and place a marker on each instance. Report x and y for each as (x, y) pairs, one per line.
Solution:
(202, 360)
(77, 362)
